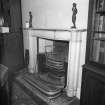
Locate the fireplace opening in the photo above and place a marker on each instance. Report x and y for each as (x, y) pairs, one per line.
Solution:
(52, 57)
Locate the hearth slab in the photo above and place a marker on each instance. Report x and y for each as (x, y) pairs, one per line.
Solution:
(41, 98)
(35, 81)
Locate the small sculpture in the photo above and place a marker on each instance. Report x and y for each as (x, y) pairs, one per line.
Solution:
(74, 9)
(30, 19)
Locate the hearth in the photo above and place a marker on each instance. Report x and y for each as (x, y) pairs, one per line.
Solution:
(25, 91)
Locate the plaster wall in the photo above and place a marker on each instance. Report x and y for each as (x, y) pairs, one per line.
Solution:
(54, 13)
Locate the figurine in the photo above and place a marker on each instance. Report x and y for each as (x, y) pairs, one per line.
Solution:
(74, 9)
(30, 19)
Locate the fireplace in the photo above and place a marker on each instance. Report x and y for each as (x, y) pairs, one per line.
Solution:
(56, 57)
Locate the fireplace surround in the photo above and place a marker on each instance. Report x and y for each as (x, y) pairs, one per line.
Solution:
(76, 39)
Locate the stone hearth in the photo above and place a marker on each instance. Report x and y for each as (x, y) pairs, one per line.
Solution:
(25, 92)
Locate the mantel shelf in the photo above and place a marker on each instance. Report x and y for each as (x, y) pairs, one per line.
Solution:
(56, 34)
(58, 29)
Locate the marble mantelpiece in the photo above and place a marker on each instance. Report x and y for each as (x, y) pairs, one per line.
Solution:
(76, 57)
(54, 34)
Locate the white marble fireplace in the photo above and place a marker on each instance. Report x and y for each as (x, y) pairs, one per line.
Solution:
(76, 54)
